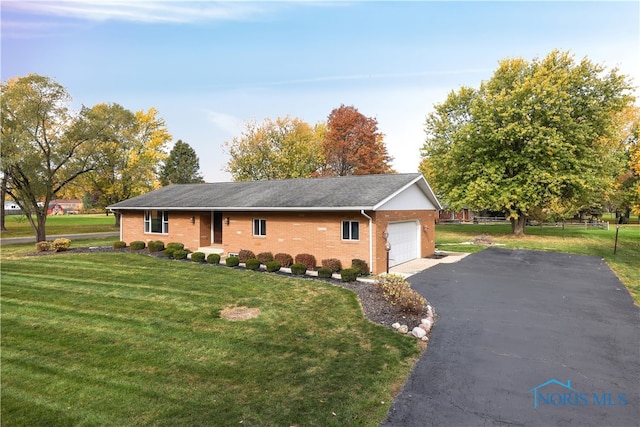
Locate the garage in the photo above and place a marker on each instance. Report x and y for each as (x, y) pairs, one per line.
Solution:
(403, 237)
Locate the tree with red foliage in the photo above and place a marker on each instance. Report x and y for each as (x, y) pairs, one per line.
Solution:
(353, 145)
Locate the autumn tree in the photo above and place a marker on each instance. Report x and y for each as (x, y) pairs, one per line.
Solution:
(40, 156)
(182, 166)
(626, 197)
(537, 135)
(131, 147)
(353, 145)
(275, 149)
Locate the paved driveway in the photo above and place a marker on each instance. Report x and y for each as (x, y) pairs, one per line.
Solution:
(525, 338)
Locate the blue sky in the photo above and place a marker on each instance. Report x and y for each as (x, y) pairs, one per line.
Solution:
(208, 67)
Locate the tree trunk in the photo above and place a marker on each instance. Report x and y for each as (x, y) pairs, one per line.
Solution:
(3, 195)
(517, 225)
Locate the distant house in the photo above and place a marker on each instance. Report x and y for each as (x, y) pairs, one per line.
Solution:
(11, 208)
(339, 217)
(462, 215)
(64, 206)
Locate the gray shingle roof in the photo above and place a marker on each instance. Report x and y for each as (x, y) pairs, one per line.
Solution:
(350, 192)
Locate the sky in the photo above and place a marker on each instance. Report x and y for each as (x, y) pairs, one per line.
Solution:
(210, 67)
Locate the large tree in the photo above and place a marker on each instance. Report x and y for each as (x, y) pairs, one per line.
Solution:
(353, 145)
(131, 148)
(537, 135)
(276, 149)
(182, 166)
(39, 155)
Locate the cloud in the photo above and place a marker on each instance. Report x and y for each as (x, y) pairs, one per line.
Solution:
(228, 123)
(137, 11)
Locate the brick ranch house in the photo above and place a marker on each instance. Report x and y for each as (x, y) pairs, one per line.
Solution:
(339, 217)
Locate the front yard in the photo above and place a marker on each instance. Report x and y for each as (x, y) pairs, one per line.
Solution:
(126, 339)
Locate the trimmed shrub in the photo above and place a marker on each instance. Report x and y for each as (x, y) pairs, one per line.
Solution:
(397, 291)
(332, 264)
(180, 254)
(273, 266)
(61, 244)
(155, 246)
(168, 253)
(252, 264)
(137, 245)
(213, 258)
(245, 254)
(265, 257)
(45, 246)
(349, 274)
(361, 266)
(298, 269)
(325, 273)
(197, 257)
(175, 245)
(119, 245)
(285, 260)
(232, 261)
(307, 259)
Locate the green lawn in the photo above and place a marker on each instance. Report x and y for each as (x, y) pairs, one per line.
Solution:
(127, 339)
(18, 226)
(600, 243)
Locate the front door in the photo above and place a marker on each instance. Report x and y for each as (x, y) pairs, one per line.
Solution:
(217, 228)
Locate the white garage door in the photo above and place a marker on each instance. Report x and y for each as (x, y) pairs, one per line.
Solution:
(403, 237)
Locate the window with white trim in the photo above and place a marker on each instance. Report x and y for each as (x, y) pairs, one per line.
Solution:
(350, 230)
(156, 222)
(259, 227)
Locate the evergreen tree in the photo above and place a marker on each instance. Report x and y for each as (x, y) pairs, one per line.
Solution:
(182, 166)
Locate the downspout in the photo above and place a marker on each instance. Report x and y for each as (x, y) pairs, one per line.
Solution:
(370, 239)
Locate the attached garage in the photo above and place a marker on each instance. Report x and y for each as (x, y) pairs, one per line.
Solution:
(404, 239)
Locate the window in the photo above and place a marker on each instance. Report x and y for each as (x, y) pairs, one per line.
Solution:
(259, 227)
(350, 230)
(156, 222)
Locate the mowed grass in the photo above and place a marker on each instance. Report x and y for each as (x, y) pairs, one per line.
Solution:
(126, 339)
(18, 225)
(625, 263)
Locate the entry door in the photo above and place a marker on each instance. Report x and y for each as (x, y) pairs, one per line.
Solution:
(217, 228)
(403, 237)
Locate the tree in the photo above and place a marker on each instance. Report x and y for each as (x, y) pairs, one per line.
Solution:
(280, 149)
(627, 193)
(39, 155)
(131, 147)
(537, 135)
(353, 145)
(181, 167)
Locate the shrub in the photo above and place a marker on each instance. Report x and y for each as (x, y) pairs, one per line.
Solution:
(232, 261)
(169, 252)
(119, 244)
(213, 258)
(285, 260)
(265, 257)
(397, 291)
(361, 266)
(61, 244)
(180, 254)
(307, 259)
(197, 257)
(252, 264)
(332, 264)
(245, 254)
(175, 245)
(325, 273)
(298, 269)
(155, 246)
(273, 266)
(349, 274)
(137, 245)
(45, 246)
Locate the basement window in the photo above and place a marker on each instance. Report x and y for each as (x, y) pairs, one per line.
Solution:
(156, 222)
(259, 227)
(350, 230)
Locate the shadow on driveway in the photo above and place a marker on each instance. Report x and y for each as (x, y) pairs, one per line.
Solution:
(511, 321)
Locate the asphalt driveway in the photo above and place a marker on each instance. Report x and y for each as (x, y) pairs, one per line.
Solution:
(525, 338)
